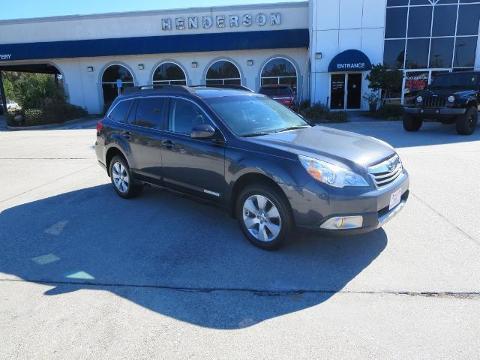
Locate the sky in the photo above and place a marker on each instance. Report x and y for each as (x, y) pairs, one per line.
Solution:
(10, 9)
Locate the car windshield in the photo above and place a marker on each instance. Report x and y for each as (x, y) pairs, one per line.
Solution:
(255, 115)
(462, 81)
(276, 91)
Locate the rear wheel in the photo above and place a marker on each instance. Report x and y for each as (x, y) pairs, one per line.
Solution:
(264, 216)
(122, 179)
(411, 122)
(466, 123)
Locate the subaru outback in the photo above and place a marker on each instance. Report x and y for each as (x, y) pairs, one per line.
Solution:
(254, 157)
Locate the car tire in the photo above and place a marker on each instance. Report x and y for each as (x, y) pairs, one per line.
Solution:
(264, 216)
(466, 123)
(122, 178)
(411, 123)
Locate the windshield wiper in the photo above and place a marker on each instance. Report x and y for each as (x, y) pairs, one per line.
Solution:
(261, 133)
(293, 128)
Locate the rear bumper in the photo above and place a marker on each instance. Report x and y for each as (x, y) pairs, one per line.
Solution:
(315, 208)
(435, 112)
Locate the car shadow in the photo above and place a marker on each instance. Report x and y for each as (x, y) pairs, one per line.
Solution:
(393, 133)
(92, 239)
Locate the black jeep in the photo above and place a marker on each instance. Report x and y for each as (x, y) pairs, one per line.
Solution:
(451, 98)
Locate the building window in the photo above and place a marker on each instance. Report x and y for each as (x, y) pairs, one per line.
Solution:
(112, 77)
(169, 74)
(279, 71)
(223, 73)
(430, 36)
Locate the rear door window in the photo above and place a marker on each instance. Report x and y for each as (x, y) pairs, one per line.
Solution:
(120, 111)
(150, 113)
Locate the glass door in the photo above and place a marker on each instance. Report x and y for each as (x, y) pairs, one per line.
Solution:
(337, 91)
(354, 91)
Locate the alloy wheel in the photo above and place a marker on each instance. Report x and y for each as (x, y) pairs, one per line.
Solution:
(261, 218)
(120, 177)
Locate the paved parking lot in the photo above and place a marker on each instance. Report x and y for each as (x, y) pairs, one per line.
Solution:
(84, 274)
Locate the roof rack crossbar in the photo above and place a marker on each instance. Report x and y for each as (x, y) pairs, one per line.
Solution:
(157, 88)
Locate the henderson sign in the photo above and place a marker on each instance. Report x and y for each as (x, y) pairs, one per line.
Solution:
(220, 21)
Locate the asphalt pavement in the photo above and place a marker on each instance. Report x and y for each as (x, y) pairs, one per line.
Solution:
(85, 274)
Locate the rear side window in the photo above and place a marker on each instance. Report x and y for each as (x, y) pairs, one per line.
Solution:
(150, 113)
(120, 111)
(184, 116)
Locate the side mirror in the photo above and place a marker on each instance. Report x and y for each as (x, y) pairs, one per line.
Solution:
(203, 131)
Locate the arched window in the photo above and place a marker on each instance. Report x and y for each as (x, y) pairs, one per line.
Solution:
(110, 83)
(223, 73)
(169, 74)
(279, 71)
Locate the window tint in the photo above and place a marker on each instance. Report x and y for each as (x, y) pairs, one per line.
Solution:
(444, 20)
(120, 111)
(417, 53)
(441, 53)
(465, 49)
(150, 113)
(468, 18)
(394, 54)
(419, 21)
(396, 23)
(184, 116)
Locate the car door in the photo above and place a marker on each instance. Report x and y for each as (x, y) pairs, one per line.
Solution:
(145, 137)
(194, 164)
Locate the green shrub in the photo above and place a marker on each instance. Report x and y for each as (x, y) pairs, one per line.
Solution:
(388, 112)
(337, 116)
(316, 112)
(320, 113)
(33, 117)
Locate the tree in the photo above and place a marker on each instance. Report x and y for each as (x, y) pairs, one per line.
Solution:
(31, 91)
(386, 80)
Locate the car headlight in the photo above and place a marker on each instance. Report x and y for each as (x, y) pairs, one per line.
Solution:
(419, 99)
(451, 99)
(331, 174)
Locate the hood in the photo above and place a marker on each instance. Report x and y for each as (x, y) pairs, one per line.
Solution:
(323, 142)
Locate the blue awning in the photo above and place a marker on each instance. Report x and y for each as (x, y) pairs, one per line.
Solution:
(350, 60)
(222, 41)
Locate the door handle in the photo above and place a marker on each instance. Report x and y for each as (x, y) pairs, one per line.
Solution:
(126, 134)
(168, 144)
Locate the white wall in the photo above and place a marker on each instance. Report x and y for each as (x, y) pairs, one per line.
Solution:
(84, 88)
(147, 23)
(339, 25)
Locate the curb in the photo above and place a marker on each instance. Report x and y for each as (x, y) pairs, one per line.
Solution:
(50, 126)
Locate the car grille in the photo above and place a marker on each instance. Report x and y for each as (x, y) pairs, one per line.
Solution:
(387, 171)
(431, 101)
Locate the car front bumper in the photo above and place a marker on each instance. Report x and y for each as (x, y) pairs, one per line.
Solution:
(314, 205)
(435, 112)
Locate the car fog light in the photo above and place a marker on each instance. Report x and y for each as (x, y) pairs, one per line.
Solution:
(343, 223)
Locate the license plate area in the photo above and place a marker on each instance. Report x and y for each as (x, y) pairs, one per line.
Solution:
(395, 199)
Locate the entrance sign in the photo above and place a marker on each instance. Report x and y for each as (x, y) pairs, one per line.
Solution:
(350, 60)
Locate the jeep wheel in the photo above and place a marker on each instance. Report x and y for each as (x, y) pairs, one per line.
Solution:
(466, 123)
(411, 123)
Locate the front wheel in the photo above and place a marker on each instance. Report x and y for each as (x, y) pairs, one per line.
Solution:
(411, 123)
(122, 179)
(466, 123)
(264, 216)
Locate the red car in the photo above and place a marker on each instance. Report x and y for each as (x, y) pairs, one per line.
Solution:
(280, 93)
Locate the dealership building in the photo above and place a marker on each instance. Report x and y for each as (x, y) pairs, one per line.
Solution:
(323, 49)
